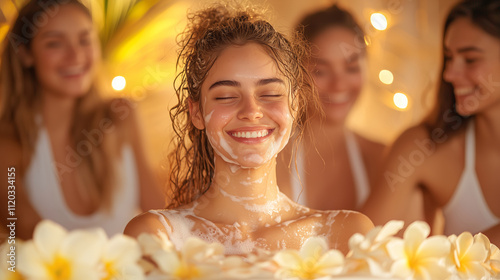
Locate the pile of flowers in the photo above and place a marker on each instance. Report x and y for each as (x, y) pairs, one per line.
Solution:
(55, 253)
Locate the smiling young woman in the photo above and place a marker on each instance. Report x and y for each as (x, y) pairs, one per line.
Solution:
(458, 143)
(242, 92)
(78, 158)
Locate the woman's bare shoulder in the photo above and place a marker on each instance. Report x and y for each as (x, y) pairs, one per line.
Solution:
(146, 222)
(342, 224)
(10, 148)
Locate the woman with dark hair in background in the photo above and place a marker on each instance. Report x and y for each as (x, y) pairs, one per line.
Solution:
(67, 154)
(457, 147)
(335, 167)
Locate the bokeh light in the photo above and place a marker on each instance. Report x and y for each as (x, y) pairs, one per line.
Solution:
(118, 83)
(400, 100)
(386, 77)
(379, 21)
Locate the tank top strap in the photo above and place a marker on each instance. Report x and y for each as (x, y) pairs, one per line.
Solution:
(297, 177)
(358, 168)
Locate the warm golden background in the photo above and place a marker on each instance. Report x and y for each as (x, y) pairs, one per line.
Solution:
(139, 44)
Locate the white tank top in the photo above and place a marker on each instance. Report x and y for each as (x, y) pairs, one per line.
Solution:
(44, 191)
(467, 209)
(361, 184)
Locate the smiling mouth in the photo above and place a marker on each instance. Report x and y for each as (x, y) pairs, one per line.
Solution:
(74, 72)
(251, 134)
(465, 91)
(335, 99)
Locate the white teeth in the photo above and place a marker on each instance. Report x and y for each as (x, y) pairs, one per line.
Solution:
(73, 71)
(248, 134)
(464, 91)
(336, 98)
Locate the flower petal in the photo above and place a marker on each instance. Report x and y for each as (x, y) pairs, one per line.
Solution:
(47, 238)
(389, 230)
(84, 246)
(122, 250)
(414, 235)
(167, 261)
(395, 248)
(288, 259)
(313, 248)
(434, 247)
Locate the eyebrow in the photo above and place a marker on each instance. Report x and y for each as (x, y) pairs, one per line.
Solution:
(55, 33)
(466, 49)
(232, 83)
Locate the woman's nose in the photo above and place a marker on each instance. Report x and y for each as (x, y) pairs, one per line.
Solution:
(250, 109)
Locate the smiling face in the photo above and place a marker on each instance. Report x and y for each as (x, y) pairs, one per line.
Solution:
(472, 66)
(338, 70)
(245, 107)
(64, 53)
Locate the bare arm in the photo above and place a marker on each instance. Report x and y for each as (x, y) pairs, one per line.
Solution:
(151, 197)
(19, 218)
(393, 197)
(144, 223)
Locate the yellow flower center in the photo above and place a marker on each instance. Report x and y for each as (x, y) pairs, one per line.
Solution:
(185, 271)
(110, 270)
(14, 276)
(307, 270)
(59, 269)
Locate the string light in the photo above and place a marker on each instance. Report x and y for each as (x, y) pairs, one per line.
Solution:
(118, 83)
(379, 21)
(386, 77)
(400, 100)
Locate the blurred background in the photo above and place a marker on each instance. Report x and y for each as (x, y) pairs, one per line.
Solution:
(139, 41)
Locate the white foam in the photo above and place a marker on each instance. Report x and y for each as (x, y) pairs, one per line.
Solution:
(208, 117)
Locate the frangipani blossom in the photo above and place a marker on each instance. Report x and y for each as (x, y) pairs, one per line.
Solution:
(196, 260)
(368, 253)
(492, 261)
(53, 253)
(313, 261)
(8, 269)
(120, 258)
(469, 255)
(238, 267)
(419, 256)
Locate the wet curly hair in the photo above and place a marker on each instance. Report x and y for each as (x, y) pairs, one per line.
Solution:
(208, 33)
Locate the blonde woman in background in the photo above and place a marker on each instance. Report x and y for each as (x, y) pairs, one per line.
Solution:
(69, 155)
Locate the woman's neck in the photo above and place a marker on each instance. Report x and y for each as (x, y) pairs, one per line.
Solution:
(488, 125)
(252, 195)
(322, 132)
(57, 112)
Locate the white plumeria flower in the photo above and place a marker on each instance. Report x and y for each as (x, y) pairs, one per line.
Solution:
(313, 261)
(8, 260)
(120, 258)
(236, 267)
(53, 253)
(492, 260)
(417, 256)
(196, 260)
(468, 256)
(368, 254)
